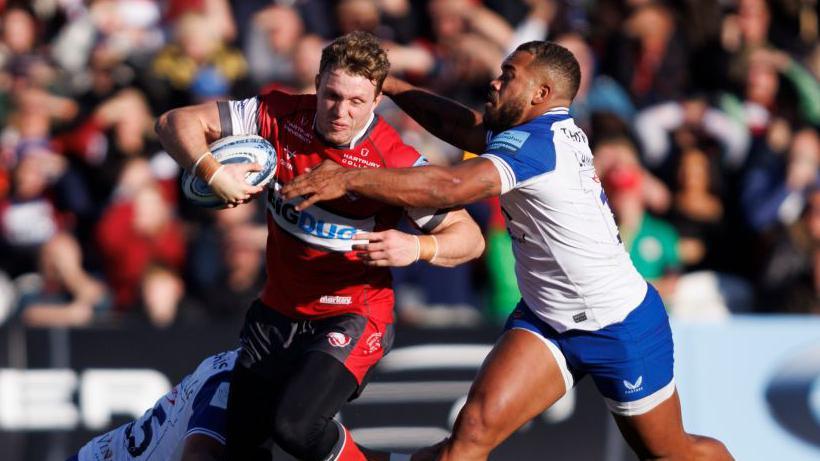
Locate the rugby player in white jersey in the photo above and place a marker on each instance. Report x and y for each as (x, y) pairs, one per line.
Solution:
(186, 424)
(585, 309)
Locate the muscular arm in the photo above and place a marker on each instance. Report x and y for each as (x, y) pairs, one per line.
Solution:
(446, 119)
(199, 447)
(456, 240)
(421, 187)
(186, 132)
(459, 240)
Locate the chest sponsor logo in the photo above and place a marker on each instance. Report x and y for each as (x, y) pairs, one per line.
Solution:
(337, 339)
(510, 140)
(316, 226)
(359, 160)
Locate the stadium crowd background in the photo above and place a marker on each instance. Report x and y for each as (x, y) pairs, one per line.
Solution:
(702, 116)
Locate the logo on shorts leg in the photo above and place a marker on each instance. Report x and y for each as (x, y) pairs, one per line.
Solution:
(337, 339)
(374, 343)
(632, 388)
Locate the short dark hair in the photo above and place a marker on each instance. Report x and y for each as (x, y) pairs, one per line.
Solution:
(357, 53)
(556, 60)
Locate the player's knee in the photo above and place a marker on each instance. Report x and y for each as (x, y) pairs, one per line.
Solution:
(297, 434)
(709, 449)
(478, 426)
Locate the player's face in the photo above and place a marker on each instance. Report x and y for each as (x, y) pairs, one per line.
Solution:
(345, 102)
(509, 95)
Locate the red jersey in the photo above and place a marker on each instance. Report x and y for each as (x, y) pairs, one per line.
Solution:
(311, 270)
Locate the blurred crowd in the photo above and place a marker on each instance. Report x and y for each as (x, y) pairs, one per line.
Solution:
(702, 116)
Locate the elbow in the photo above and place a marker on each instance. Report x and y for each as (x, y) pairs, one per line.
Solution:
(479, 247)
(164, 123)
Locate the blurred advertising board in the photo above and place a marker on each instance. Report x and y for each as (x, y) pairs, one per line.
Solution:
(753, 382)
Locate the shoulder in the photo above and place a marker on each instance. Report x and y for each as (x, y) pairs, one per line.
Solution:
(280, 103)
(532, 143)
(396, 153)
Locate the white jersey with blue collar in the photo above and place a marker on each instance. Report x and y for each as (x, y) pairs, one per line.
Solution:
(572, 268)
(197, 405)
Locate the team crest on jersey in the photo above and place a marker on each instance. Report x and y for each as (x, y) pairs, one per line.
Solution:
(338, 339)
(374, 342)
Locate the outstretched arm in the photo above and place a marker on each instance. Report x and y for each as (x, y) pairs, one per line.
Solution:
(420, 187)
(446, 119)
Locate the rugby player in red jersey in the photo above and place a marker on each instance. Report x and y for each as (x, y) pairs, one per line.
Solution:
(325, 315)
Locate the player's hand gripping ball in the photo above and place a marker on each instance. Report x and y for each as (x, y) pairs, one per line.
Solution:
(230, 150)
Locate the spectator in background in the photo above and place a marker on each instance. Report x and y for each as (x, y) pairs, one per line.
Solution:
(197, 47)
(649, 56)
(271, 44)
(791, 279)
(597, 93)
(226, 261)
(62, 293)
(143, 247)
(652, 243)
(775, 188)
(656, 125)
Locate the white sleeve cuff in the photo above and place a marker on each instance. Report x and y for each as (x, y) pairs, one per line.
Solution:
(505, 172)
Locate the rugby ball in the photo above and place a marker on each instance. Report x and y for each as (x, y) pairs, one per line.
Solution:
(230, 150)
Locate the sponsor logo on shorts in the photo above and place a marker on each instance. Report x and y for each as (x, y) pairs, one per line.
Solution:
(337, 339)
(336, 300)
(374, 343)
(578, 318)
(632, 388)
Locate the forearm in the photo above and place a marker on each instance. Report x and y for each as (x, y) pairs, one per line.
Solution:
(426, 187)
(446, 119)
(460, 242)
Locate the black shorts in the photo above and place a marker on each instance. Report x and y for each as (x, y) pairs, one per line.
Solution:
(273, 344)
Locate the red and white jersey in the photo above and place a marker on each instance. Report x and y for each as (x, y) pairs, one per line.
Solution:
(311, 270)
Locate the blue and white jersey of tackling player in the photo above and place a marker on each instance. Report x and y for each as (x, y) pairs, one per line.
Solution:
(197, 405)
(572, 269)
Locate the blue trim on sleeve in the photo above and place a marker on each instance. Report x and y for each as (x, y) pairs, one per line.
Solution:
(528, 149)
(209, 414)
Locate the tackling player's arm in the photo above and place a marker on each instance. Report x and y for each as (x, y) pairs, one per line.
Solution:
(446, 119)
(456, 240)
(420, 187)
(185, 134)
(200, 447)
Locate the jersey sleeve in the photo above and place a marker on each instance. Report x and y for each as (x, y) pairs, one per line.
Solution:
(424, 219)
(519, 155)
(210, 409)
(239, 117)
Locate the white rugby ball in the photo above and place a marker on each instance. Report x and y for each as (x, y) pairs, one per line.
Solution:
(229, 150)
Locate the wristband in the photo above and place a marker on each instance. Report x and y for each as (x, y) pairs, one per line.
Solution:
(211, 179)
(418, 248)
(435, 252)
(196, 164)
